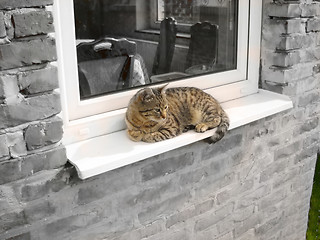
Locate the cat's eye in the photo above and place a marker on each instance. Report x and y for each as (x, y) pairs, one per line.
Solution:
(157, 110)
(166, 107)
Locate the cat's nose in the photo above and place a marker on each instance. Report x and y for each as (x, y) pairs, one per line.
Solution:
(163, 115)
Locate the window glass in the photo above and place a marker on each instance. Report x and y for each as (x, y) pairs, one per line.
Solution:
(122, 44)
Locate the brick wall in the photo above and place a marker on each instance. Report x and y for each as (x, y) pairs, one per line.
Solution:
(254, 184)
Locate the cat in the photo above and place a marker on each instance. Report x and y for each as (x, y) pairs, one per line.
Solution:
(156, 114)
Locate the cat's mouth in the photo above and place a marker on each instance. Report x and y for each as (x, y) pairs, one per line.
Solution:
(160, 119)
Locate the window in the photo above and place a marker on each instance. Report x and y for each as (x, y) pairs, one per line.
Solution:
(229, 73)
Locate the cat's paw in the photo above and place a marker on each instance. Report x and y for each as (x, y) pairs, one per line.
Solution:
(201, 127)
(135, 135)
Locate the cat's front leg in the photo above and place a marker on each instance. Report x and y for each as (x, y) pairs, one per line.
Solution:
(135, 135)
(153, 137)
(161, 134)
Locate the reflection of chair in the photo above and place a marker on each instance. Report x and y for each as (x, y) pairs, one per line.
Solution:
(106, 65)
(165, 49)
(203, 47)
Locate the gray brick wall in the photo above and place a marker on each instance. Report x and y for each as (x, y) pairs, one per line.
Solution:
(254, 184)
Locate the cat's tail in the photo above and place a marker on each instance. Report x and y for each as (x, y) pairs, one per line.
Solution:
(221, 129)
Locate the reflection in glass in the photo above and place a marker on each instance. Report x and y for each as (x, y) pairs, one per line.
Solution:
(127, 43)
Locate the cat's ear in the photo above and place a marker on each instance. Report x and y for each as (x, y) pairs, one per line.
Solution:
(163, 89)
(146, 95)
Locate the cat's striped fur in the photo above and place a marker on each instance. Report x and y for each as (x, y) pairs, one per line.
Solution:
(156, 114)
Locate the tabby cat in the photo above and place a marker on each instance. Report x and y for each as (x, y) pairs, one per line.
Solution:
(156, 114)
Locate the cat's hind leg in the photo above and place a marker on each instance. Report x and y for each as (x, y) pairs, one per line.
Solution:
(204, 126)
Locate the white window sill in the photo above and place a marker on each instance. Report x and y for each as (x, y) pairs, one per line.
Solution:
(101, 154)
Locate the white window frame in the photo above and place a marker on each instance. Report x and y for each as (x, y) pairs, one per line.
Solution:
(104, 115)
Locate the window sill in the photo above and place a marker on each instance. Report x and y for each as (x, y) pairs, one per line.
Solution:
(101, 154)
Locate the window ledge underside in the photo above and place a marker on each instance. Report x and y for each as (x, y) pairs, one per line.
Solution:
(104, 153)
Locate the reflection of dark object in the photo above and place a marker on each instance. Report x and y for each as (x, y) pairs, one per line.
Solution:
(105, 65)
(165, 49)
(203, 47)
(88, 16)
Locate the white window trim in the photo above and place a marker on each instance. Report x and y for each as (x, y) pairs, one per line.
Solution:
(90, 139)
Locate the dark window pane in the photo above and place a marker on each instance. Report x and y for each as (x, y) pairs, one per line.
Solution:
(123, 44)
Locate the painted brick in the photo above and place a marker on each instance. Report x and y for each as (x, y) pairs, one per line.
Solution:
(312, 140)
(23, 167)
(242, 228)
(243, 213)
(168, 166)
(69, 224)
(16, 144)
(272, 169)
(225, 228)
(35, 51)
(38, 80)
(174, 235)
(237, 190)
(3, 32)
(29, 109)
(152, 194)
(4, 148)
(211, 219)
(144, 232)
(317, 37)
(215, 170)
(295, 41)
(8, 201)
(227, 236)
(284, 10)
(38, 211)
(10, 220)
(286, 59)
(310, 10)
(316, 68)
(285, 178)
(309, 98)
(272, 199)
(277, 27)
(43, 133)
(108, 228)
(248, 235)
(302, 1)
(286, 42)
(190, 212)
(8, 86)
(310, 54)
(290, 74)
(268, 226)
(309, 125)
(32, 22)
(304, 182)
(227, 143)
(23, 236)
(164, 208)
(211, 232)
(313, 25)
(209, 186)
(41, 184)
(287, 151)
(88, 193)
(9, 4)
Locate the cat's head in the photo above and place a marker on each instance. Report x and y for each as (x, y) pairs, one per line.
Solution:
(151, 103)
